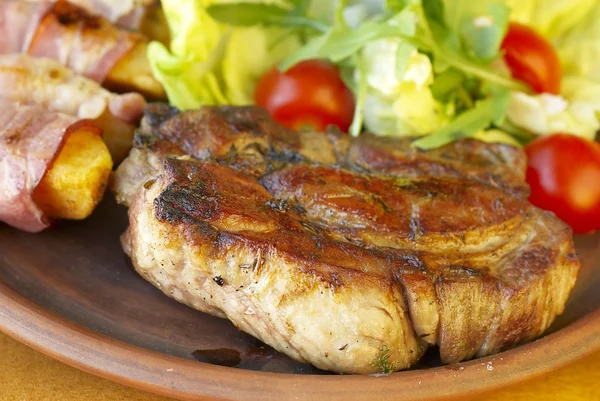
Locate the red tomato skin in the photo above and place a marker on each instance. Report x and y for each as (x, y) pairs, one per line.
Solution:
(311, 93)
(532, 59)
(563, 172)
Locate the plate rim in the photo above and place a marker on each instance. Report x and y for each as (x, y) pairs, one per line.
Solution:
(139, 367)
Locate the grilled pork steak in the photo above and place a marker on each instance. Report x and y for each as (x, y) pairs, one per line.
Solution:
(353, 254)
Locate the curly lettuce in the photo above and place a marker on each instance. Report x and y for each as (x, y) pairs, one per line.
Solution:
(551, 18)
(209, 62)
(399, 100)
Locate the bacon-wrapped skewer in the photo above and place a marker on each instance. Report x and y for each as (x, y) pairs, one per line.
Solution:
(53, 161)
(88, 44)
(45, 82)
(32, 140)
(127, 14)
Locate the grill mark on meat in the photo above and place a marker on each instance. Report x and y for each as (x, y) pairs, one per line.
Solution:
(415, 262)
(280, 205)
(208, 131)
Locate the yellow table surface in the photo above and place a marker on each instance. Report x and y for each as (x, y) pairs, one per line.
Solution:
(27, 375)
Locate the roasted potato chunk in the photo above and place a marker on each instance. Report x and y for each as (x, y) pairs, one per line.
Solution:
(118, 135)
(132, 73)
(76, 181)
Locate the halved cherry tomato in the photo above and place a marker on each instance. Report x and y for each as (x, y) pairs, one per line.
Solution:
(532, 59)
(563, 172)
(310, 94)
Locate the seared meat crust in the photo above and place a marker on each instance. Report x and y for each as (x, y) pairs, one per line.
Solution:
(339, 251)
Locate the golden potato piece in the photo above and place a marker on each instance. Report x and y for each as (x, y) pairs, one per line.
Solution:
(132, 73)
(155, 27)
(118, 135)
(75, 183)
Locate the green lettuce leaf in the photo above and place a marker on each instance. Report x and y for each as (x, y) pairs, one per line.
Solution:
(551, 18)
(252, 14)
(466, 125)
(209, 62)
(342, 42)
(579, 49)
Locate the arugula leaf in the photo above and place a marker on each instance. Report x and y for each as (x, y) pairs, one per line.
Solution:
(299, 5)
(446, 83)
(434, 11)
(249, 14)
(485, 113)
(341, 42)
(396, 5)
(310, 50)
(445, 56)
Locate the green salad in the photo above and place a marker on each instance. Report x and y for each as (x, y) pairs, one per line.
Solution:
(429, 68)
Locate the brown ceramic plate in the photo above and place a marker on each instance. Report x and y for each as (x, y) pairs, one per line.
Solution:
(71, 293)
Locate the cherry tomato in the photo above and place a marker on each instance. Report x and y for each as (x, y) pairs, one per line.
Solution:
(310, 94)
(532, 59)
(563, 172)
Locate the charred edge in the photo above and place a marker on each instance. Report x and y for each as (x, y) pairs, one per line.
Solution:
(242, 126)
(298, 208)
(178, 203)
(254, 148)
(286, 156)
(309, 227)
(379, 200)
(572, 257)
(242, 119)
(415, 262)
(167, 209)
(219, 280)
(156, 114)
(334, 281)
(280, 205)
(353, 240)
(142, 139)
(462, 271)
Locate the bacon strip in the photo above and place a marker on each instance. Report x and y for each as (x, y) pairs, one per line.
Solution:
(127, 14)
(89, 45)
(26, 79)
(124, 13)
(30, 139)
(19, 21)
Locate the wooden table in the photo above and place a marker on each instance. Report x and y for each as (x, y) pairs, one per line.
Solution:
(27, 375)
